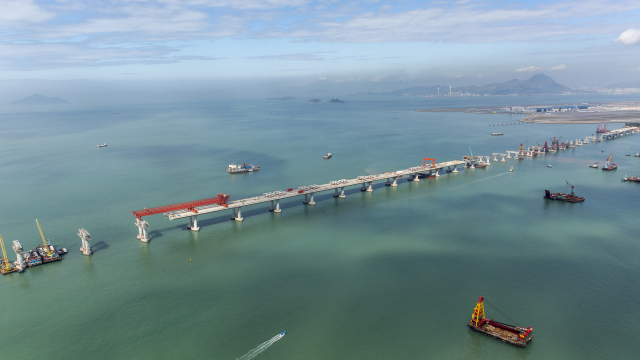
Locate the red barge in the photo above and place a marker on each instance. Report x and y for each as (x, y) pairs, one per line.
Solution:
(510, 334)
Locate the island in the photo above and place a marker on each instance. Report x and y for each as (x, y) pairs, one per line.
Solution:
(283, 98)
(314, 101)
(335, 100)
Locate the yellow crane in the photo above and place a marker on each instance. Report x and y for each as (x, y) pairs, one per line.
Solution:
(46, 247)
(6, 265)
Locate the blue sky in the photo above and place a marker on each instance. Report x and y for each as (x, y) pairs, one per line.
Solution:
(367, 44)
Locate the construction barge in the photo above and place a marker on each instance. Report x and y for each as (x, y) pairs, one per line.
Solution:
(510, 334)
(570, 198)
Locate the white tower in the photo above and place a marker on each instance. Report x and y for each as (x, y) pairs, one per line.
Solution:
(85, 237)
(17, 247)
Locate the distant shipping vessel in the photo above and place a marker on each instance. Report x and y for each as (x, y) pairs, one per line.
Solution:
(328, 156)
(497, 134)
(234, 169)
(103, 145)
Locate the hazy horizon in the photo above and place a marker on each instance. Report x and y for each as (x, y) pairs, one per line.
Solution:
(259, 48)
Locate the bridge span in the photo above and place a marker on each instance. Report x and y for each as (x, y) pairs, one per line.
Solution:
(192, 209)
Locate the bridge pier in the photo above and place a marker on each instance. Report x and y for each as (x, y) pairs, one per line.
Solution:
(311, 202)
(142, 230)
(193, 223)
(277, 210)
(395, 181)
(455, 168)
(271, 207)
(239, 217)
(417, 177)
(335, 193)
(233, 215)
(306, 200)
(363, 187)
(370, 189)
(342, 195)
(388, 182)
(437, 173)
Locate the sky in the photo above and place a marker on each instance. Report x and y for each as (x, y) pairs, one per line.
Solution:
(278, 47)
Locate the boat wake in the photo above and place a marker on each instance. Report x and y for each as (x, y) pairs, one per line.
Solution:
(260, 348)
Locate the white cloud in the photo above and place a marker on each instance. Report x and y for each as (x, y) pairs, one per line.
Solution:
(538, 68)
(629, 37)
(558, 67)
(530, 68)
(22, 11)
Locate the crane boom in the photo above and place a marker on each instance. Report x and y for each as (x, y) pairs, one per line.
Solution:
(46, 247)
(5, 264)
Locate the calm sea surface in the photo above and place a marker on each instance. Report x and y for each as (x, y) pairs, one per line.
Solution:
(393, 274)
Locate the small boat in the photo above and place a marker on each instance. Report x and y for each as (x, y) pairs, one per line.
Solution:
(549, 166)
(595, 165)
(328, 156)
(625, 178)
(637, 155)
(496, 134)
(284, 333)
(510, 170)
(103, 145)
(628, 154)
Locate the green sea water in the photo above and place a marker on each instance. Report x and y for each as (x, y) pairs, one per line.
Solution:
(393, 274)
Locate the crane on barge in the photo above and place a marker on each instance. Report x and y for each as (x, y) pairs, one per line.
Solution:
(5, 267)
(511, 334)
(48, 253)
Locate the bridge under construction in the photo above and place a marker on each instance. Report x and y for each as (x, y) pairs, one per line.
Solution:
(222, 202)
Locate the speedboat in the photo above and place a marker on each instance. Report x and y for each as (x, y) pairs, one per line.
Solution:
(283, 333)
(549, 166)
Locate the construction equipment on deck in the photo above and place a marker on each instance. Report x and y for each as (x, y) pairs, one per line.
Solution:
(46, 251)
(433, 162)
(510, 334)
(5, 267)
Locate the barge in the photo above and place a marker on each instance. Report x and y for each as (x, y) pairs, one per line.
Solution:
(608, 166)
(509, 334)
(235, 169)
(571, 198)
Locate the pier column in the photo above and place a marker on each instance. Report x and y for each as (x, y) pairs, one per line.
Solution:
(395, 181)
(335, 193)
(277, 210)
(271, 207)
(455, 168)
(233, 215)
(142, 230)
(305, 201)
(342, 195)
(388, 182)
(311, 202)
(363, 188)
(239, 217)
(417, 177)
(194, 226)
(370, 189)
(437, 173)
(190, 222)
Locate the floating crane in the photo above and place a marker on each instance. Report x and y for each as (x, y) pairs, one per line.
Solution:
(48, 253)
(5, 267)
(510, 334)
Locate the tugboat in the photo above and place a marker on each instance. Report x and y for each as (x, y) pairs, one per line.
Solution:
(328, 156)
(637, 155)
(608, 166)
(595, 165)
(235, 169)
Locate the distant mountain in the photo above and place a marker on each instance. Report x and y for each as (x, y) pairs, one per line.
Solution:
(283, 98)
(536, 85)
(37, 99)
(629, 84)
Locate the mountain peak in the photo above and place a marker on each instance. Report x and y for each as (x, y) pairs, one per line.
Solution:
(37, 99)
